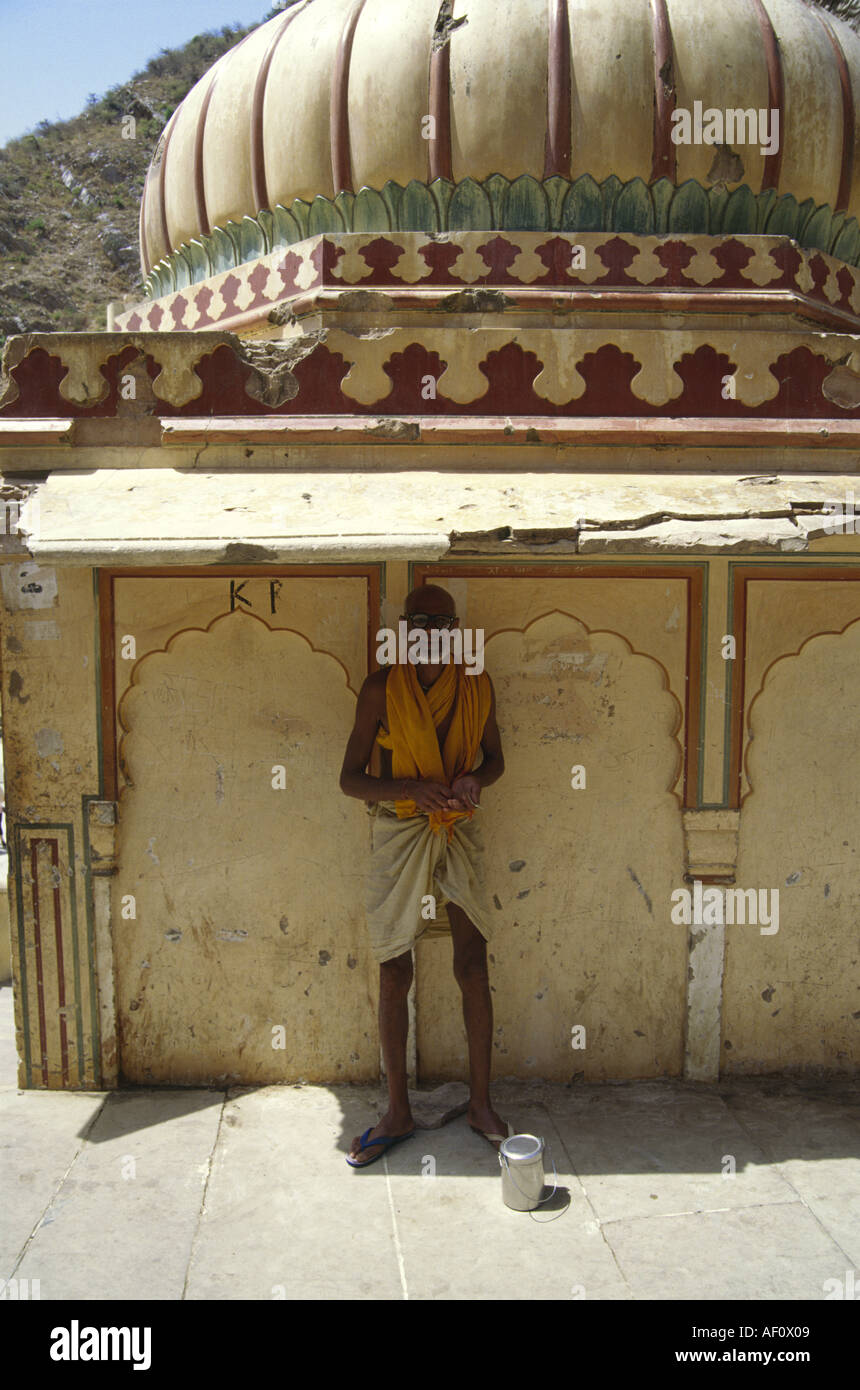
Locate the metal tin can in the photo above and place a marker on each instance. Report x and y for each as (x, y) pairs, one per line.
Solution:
(521, 1162)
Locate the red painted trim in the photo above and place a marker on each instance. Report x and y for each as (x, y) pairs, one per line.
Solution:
(558, 93)
(664, 162)
(37, 941)
(199, 181)
(106, 620)
(440, 160)
(145, 261)
(258, 162)
(741, 715)
(692, 687)
(597, 431)
(370, 573)
(674, 300)
(775, 94)
(199, 134)
(341, 161)
(46, 434)
(846, 172)
(671, 301)
(162, 206)
(691, 575)
(739, 689)
(61, 976)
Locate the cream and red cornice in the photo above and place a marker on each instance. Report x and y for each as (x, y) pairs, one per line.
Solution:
(409, 337)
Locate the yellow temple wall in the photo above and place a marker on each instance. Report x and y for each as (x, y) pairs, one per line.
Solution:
(215, 933)
(50, 750)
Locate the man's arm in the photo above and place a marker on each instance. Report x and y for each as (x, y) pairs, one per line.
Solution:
(467, 789)
(354, 781)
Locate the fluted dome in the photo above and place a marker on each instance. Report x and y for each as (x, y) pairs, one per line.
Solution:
(403, 96)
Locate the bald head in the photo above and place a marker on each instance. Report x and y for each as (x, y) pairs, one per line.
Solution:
(429, 598)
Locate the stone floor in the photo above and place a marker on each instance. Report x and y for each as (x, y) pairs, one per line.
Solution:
(244, 1193)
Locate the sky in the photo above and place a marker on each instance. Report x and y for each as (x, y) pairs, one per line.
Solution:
(56, 52)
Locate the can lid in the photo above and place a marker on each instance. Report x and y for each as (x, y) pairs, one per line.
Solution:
(520, 1146)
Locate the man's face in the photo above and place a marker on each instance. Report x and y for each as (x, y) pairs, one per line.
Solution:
(430, 610)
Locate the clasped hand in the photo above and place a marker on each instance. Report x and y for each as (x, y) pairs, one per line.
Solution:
(462, 795)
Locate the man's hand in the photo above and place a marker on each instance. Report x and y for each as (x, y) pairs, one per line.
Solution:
(466, 793)
(430, 796)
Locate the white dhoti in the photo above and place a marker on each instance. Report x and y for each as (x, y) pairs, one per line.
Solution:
(409, 863)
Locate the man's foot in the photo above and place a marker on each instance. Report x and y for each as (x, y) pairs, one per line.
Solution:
(486, 1120)
(391, 1126)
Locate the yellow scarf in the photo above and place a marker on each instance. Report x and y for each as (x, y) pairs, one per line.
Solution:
(413, 716)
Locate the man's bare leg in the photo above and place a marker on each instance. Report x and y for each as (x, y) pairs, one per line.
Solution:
(471, 974)
(395, 978)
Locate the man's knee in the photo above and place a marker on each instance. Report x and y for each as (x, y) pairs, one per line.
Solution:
(396, 975)
(470, 963)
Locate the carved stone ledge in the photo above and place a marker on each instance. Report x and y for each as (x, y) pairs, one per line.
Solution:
(711, 845)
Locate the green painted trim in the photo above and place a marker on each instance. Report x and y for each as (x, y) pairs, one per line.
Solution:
(703, 686)
(95, 1025)
(22, 958)
(521, 204)
(73, 899)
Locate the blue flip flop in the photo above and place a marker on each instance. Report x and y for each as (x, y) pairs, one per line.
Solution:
(380, 1139)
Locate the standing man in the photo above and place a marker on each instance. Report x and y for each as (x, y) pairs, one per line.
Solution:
(430, 720)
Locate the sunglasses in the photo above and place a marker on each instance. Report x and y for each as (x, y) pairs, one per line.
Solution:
(429, 620)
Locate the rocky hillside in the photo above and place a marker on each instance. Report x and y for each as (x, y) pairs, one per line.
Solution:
(70, 195)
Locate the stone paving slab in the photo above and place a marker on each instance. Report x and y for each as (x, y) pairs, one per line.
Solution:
(840, 1218)
(41, 1137)
(122, 1222)
(812, 1140)
(285, 1215)
(777, 1251)
(8, 1053)
(246, 1194)
(460, 1241)
(664, 1151)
